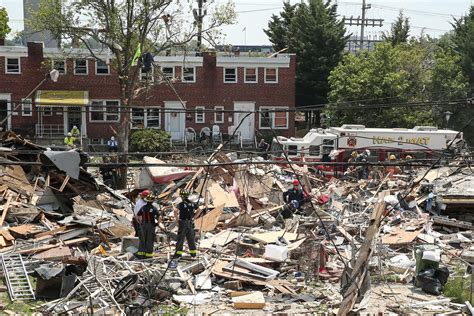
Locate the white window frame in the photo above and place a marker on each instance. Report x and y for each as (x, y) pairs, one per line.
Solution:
(276, 73)
(236, 74)
(24, 103)
(145, 117)
(97, 66)
(151, 75)
(245, 75)
(14, 72)
(203, 114)
(272, 116)
(170, 77)
(219, 109)
(75, 67)
(103, 111)
(194, 75)
(65, 65)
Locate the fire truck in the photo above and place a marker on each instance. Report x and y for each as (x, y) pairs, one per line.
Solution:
(335, 144)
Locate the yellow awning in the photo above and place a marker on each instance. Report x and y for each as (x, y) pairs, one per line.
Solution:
(61, 98)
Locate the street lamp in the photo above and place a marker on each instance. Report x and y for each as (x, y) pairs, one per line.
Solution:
(447, 116)
(53, 75)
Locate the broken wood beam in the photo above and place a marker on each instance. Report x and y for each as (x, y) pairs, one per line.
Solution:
(365, 253)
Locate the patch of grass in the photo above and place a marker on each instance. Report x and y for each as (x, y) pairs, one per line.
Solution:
(458, 286)
(18, 307)
(170, 310)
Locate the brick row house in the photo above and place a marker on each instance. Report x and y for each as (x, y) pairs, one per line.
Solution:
(86, 94)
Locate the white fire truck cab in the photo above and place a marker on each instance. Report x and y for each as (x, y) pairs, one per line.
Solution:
(337, 143)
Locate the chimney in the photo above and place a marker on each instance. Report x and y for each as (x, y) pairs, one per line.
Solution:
(35, 51)
(209, 62)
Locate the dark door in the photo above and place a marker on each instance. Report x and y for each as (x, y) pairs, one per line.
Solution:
(4, 113)
(74, 118)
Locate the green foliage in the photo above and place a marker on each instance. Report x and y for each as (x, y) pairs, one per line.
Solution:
(278, 27)
(463, 40)
(313, 31)
(150, 140)
(4, 28)
(409, 72)
(399, 32)
(458, 286)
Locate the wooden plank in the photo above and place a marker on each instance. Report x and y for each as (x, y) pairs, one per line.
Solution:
(272, 237)
(47, 247)
(54, 253)
(398, 236)
(186, 279)
(221, 239)
(6, 206)
(365, 252)
(63, 185)
(220, 196)
(209, 221)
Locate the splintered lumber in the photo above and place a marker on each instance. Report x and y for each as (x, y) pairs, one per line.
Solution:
(47, 247)
(209, 221)
(359, 271)
(5, 210)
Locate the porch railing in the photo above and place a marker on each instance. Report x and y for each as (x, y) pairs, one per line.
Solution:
(49, 130)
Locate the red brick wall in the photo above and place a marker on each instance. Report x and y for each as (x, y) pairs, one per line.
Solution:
(209, 90)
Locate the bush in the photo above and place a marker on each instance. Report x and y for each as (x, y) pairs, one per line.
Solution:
(150, 140)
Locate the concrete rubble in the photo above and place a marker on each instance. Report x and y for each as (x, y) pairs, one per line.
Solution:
(393, 244)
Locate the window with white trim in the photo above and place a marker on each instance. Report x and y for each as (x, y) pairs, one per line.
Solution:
(12, 65)
(80, 67)
(60, 65)
(218, 114)
(168, 72)
(146, 118)
(189, 74)
(200, 115)
(101, 67)
(271, 75)
(102, 111)
(230, 75)
(251, 75)
(26, 107)
(147, 76)
(270, 117)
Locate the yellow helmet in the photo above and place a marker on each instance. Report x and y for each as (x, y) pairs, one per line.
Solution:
(392, 157)
(408, 157)
(354, 154)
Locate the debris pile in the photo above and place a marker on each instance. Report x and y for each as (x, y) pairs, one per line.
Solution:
(378, 244)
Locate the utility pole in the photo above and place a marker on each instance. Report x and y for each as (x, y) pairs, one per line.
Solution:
(199, 15)
(363, 22)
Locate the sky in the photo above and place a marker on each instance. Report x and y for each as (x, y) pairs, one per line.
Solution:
(431, 17)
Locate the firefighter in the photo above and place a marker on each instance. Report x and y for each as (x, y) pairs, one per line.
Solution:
(69, 140)
(184, 213)
(392, 170)
(293, 198)
(148, 217)
(139, 203)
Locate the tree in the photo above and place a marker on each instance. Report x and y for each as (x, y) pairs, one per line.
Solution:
(4, 28)
(399, 31)
(278, 27)
(407, 73)
(124, 28)
(463, 42)
(313, 31)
